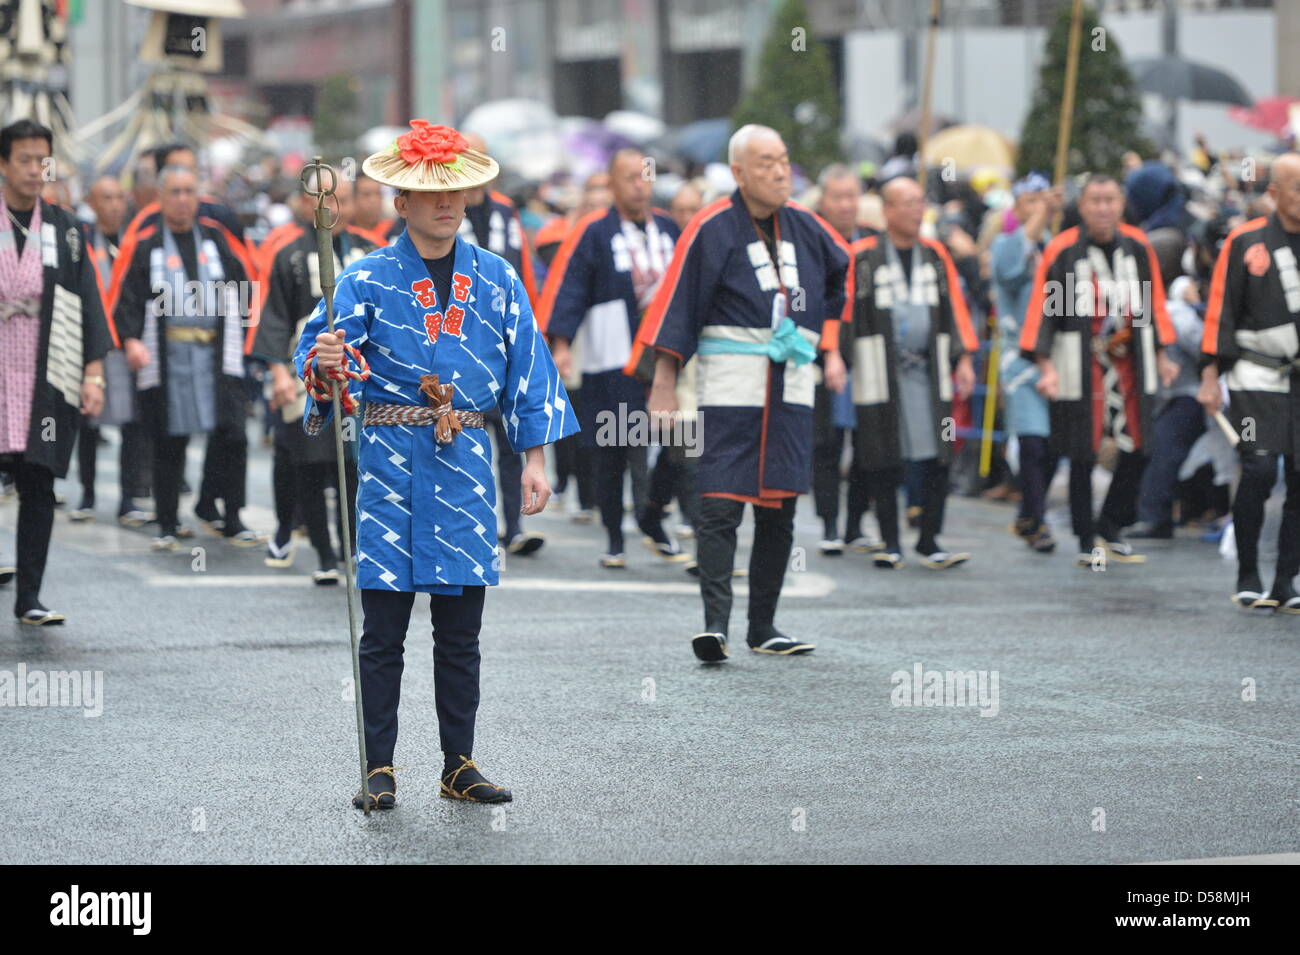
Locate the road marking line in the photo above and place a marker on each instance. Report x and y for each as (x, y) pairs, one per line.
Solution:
(796, 585)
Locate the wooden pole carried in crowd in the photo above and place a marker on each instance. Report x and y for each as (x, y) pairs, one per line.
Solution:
(927, 89)
(1067, 102)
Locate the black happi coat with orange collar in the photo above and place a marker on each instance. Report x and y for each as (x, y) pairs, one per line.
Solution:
(1252, 331)
(136, 316)
(288, 291)
(870, 352)
(1064, 321)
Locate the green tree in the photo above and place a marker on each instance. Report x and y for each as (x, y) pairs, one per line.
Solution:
(1107, 106)
(795, 93)
(334, 127)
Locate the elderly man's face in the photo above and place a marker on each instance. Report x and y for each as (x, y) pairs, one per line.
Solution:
(762, 171)
(839, 203)
(108, 201)
(904, 207)
(685, 204)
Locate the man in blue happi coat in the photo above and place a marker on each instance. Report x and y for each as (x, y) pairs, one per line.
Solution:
(447, 333)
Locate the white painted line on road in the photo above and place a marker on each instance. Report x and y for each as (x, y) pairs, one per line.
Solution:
(1277, 858)
(796, 585)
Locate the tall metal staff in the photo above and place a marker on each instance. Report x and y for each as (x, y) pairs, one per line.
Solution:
(320, 173)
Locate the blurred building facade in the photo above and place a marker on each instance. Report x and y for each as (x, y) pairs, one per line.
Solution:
(677, 60)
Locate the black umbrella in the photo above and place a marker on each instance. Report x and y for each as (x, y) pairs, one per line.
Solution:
(1176, 78)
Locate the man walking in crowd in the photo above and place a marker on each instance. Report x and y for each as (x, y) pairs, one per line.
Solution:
(1252, 340)
(599, 285)
(1015, 256)
(187, 349)
(53, 337)
(107, 200)
(757, 285)
(833, 415)
(1097, 328)
(911, 334)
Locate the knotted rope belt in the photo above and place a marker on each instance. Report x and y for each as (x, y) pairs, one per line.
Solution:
(446, 420)
(419, 415)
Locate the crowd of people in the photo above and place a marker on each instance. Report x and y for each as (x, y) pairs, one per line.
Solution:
(835, 345)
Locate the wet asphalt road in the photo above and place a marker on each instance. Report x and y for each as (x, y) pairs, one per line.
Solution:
(1118, 733)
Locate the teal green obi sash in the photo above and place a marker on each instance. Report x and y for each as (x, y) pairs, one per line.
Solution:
(786, 345)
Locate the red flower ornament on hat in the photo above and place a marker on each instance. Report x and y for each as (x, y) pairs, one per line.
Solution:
(429, 143)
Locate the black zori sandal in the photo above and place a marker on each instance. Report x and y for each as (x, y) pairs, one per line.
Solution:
(466, 782)
(382, 786)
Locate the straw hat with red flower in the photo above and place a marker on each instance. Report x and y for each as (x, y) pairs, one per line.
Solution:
(431, 159)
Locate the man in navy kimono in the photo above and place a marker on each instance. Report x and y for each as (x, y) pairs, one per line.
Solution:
(757, 287)
(446, 333)
(600, 284)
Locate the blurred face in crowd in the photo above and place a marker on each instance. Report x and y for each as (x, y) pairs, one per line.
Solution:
(183, 157)
(685, 204)
(108, 201)
(368, 198)
(839, 203)
(903, 203)
(1284, 188)
(144, 187)
(178, 198)
(342, 213)
(347, 208)
(1027, 205)
(1100, 207)
(630, 185)
(57, 193)
(762, 172)
(596, 193)
(23, 170)
(432, 216)
(477, 194)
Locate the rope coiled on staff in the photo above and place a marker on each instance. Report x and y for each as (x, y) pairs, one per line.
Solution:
(320, 388)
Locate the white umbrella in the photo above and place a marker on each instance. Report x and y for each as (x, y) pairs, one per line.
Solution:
(637, 127)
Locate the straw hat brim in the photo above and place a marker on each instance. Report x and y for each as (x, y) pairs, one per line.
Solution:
(475, 169)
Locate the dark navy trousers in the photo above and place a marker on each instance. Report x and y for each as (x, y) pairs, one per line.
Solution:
(456, 622)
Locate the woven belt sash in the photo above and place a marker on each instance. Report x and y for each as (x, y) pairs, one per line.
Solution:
(191, 333)
(415, 415)
(439, 412)
(1280, 365)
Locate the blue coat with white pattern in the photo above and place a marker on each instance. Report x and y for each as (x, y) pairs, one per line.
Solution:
(426, 512)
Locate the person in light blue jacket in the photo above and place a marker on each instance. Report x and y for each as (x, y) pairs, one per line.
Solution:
(1015, 254)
